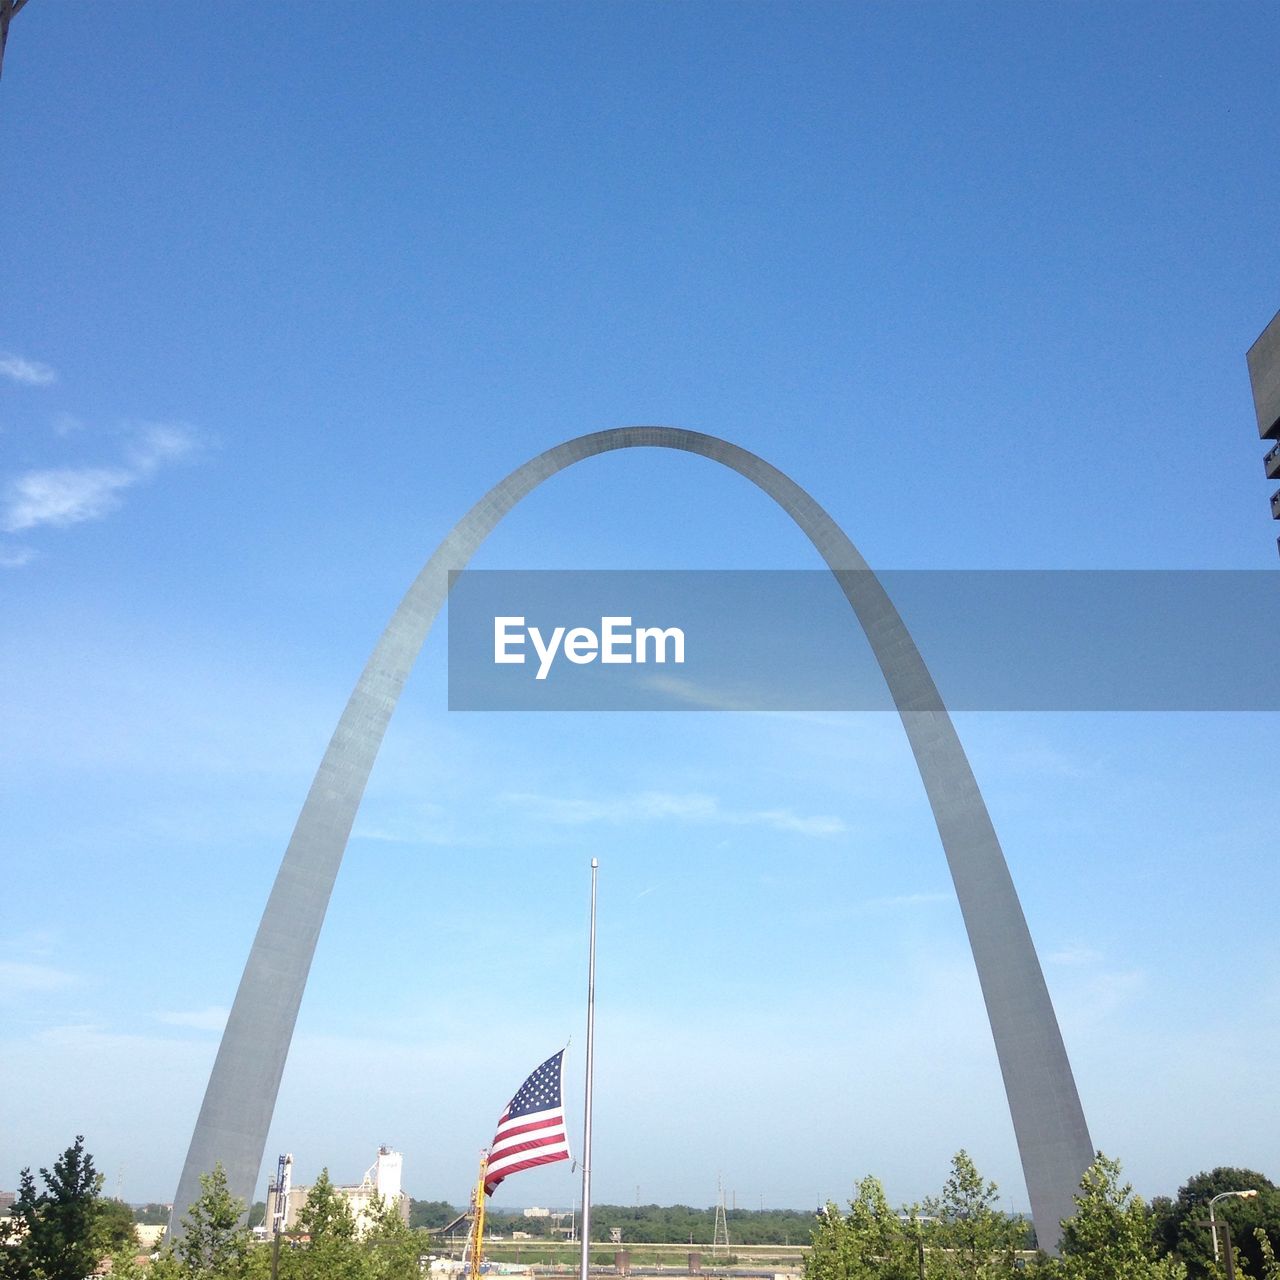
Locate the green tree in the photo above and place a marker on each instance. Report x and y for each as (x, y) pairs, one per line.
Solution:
(1270, 1269)
(391, 1248)
(331, 1251)
(868, 1243)
(326, 1216)
(436, 1213)
(151, 1214)
(115, 1227)
(1178, 1221)
(213, 1245)
(127, 1265)
(60, 1236)
(968, 1236)
(1110, 1237)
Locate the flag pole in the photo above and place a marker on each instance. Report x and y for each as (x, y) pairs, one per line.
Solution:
(586, 1123)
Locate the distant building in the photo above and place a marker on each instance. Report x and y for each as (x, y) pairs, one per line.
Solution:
(382, 1180)
(535, 1212)
(149, 1235)
(1264, 375)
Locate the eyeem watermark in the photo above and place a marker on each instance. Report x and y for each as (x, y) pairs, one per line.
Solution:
(788, 640)
(616, 642)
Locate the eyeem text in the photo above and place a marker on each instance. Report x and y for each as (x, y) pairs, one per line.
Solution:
(616, 641)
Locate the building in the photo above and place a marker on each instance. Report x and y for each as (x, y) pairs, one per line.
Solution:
(381, 1181)
(1264, 374)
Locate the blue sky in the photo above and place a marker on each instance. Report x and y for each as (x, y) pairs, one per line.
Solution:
(285, 292)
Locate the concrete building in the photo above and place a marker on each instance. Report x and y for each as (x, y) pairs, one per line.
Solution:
(1264, 375)
(382, 1181)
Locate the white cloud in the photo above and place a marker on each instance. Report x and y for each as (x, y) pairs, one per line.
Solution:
(658, 806)
(61, 496)
(31, 373)
(212, 1018)
(159, 443)
(19, 977)
(698, 695)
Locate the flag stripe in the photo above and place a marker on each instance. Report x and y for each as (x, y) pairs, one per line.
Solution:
(505, 1153)
(490, 1187)
(515, 1132)
(537, 1120)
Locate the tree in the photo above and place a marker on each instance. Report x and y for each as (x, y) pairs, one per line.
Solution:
(151, 1214)
(392, 1249)
(326, 1216)
(869, 1243)
(331, 1251)
(1179, 1234)
(1110, 1236)
(969, 1235)
(213, 1243)
(60, 1235)
(1270, 1264)
(115, 1227)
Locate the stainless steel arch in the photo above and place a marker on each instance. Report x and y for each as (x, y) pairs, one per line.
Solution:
(1053, 1139)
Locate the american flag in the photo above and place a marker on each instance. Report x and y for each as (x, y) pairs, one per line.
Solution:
(531, 1131)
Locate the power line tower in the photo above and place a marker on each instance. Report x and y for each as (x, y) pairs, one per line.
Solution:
(720, 1236)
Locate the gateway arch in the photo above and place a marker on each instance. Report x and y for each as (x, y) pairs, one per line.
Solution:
(1049, 1124)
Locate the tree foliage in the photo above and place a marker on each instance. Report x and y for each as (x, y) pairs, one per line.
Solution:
(392, 1249)
(151, 1214)
(436, 1213)
(116, 1226)
(330, 1250)
(959, 1234)
(868, 1243)
(1270, 1264)
(651, 1223)
(1110, 1236)
(62, 1234)
(333, 1249)
(214, 1245)
(970, 1236)
(1177, 1221)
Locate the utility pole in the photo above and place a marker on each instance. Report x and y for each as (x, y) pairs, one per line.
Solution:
(7, 9)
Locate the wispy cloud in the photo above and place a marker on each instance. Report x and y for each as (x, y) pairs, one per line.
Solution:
(910, 899)
(19, 977)
(30, 373)
(61, 496)
(15, 555)
(699, 695)
(665, 806)
(1075, 957)
(213, 1018)
(158, 443)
